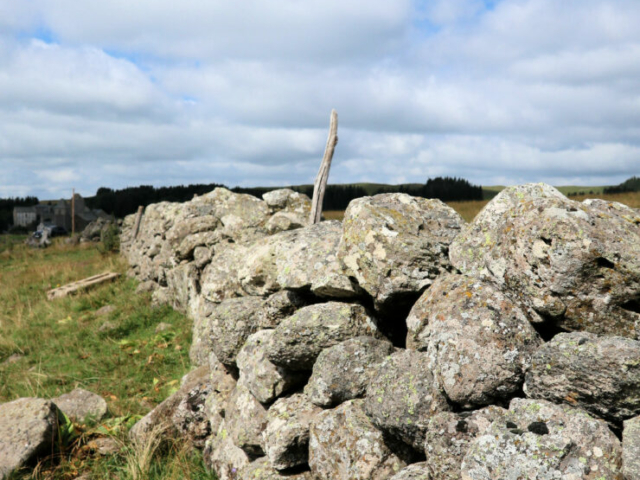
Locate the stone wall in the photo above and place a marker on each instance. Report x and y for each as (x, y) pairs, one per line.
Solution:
(402, 343)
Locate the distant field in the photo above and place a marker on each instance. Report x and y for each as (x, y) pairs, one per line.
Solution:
(468, 210)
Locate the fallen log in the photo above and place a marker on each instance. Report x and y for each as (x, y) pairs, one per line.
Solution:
(83, 284)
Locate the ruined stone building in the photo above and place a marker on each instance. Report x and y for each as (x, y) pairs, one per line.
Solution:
(57, 213)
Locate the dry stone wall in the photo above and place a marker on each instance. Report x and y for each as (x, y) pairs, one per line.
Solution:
(402, 343)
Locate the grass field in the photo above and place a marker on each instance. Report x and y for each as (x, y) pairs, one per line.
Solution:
(50, 348)
(468, 210)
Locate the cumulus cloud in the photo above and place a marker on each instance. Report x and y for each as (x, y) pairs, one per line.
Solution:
(121, 93)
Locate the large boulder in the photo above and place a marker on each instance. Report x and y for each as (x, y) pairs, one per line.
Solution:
(449, 435)
(544, 441)
(28, 428)
(224, 328)
(631, 449)
(598, 374)
(342, 372)
(401, 397)
(395, 245)
(223, 457)
(246, 419)
(299, 339)
(264, 380)
(81, 405)
(286, 438)
(182, 414)
(576, 264)
(479, 341)
(344, 444)
(223, 383)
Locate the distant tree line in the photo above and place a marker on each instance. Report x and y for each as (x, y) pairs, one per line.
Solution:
(6, 209)
(126, 201)
(630, 185)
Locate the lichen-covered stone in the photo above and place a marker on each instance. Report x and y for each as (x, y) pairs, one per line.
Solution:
(183, 413)
(576, 264)
(279, 306)
(299, 339)
(81, 405)
(631, 449)
(401, 397)
(342, 372)
(598, 374)
(219, 280)
(544, 441)
(286, 438)
(224, 327)
(28, 428)
(223, 457)
(264, 380)
(222, 384)
(288, 200)
(449, 435)
(415, 471)
(478, 340)
(344, 443)
(260, 469)
(395, 245)
(245, 420)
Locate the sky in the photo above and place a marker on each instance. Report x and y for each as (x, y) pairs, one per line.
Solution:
(121, 93)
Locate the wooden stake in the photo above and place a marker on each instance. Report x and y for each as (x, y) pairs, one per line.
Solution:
(136, 225)
(320, 185)
(81, 285)
(73, 212)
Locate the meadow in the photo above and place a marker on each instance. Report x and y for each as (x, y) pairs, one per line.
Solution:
(48, 348)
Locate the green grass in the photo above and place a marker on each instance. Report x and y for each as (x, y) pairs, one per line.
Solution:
(61, 346)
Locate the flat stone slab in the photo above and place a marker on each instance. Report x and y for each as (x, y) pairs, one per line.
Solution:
(81, 405)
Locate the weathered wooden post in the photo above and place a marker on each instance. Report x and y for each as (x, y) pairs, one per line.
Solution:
(320, 185)
(136, 225)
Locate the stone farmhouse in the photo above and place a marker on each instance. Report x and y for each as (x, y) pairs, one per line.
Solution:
(57, 213)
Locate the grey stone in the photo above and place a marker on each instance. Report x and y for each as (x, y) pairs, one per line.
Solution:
(105, 446)
(223, 457)
(106, 310)
(544, 441)
(219, 279)
(299, 339)
(162, 327)
(598, 374)
(148, 286)
(246, 419)
(279, 306)
(401, 397)
(260, 469)
(449, 435)
(343, 443)
(395, 245)
(576, 264)
(264, 380)
(223, 384)
(286, 438)
(81, 405)
(631, 449)
(342, 372)
(224, 329)
(416, 471)
(28, 428)
(479, 341)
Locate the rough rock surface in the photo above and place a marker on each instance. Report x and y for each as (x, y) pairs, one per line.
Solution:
(264, 380)
(286, 438)
(544, 441)
(246, 419)
(598, 374)
(401, 397)
(222, 384)
(224, 329)
(479, 342)
(576, 264)
(260, 469)
(344, 444)
(342, 372)
(395, 245)
(415, 471)
(631, 449)
(81, 405)
(185, 407)
(28, 428)
(223, 457)
(299, 339)
(449, 435)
